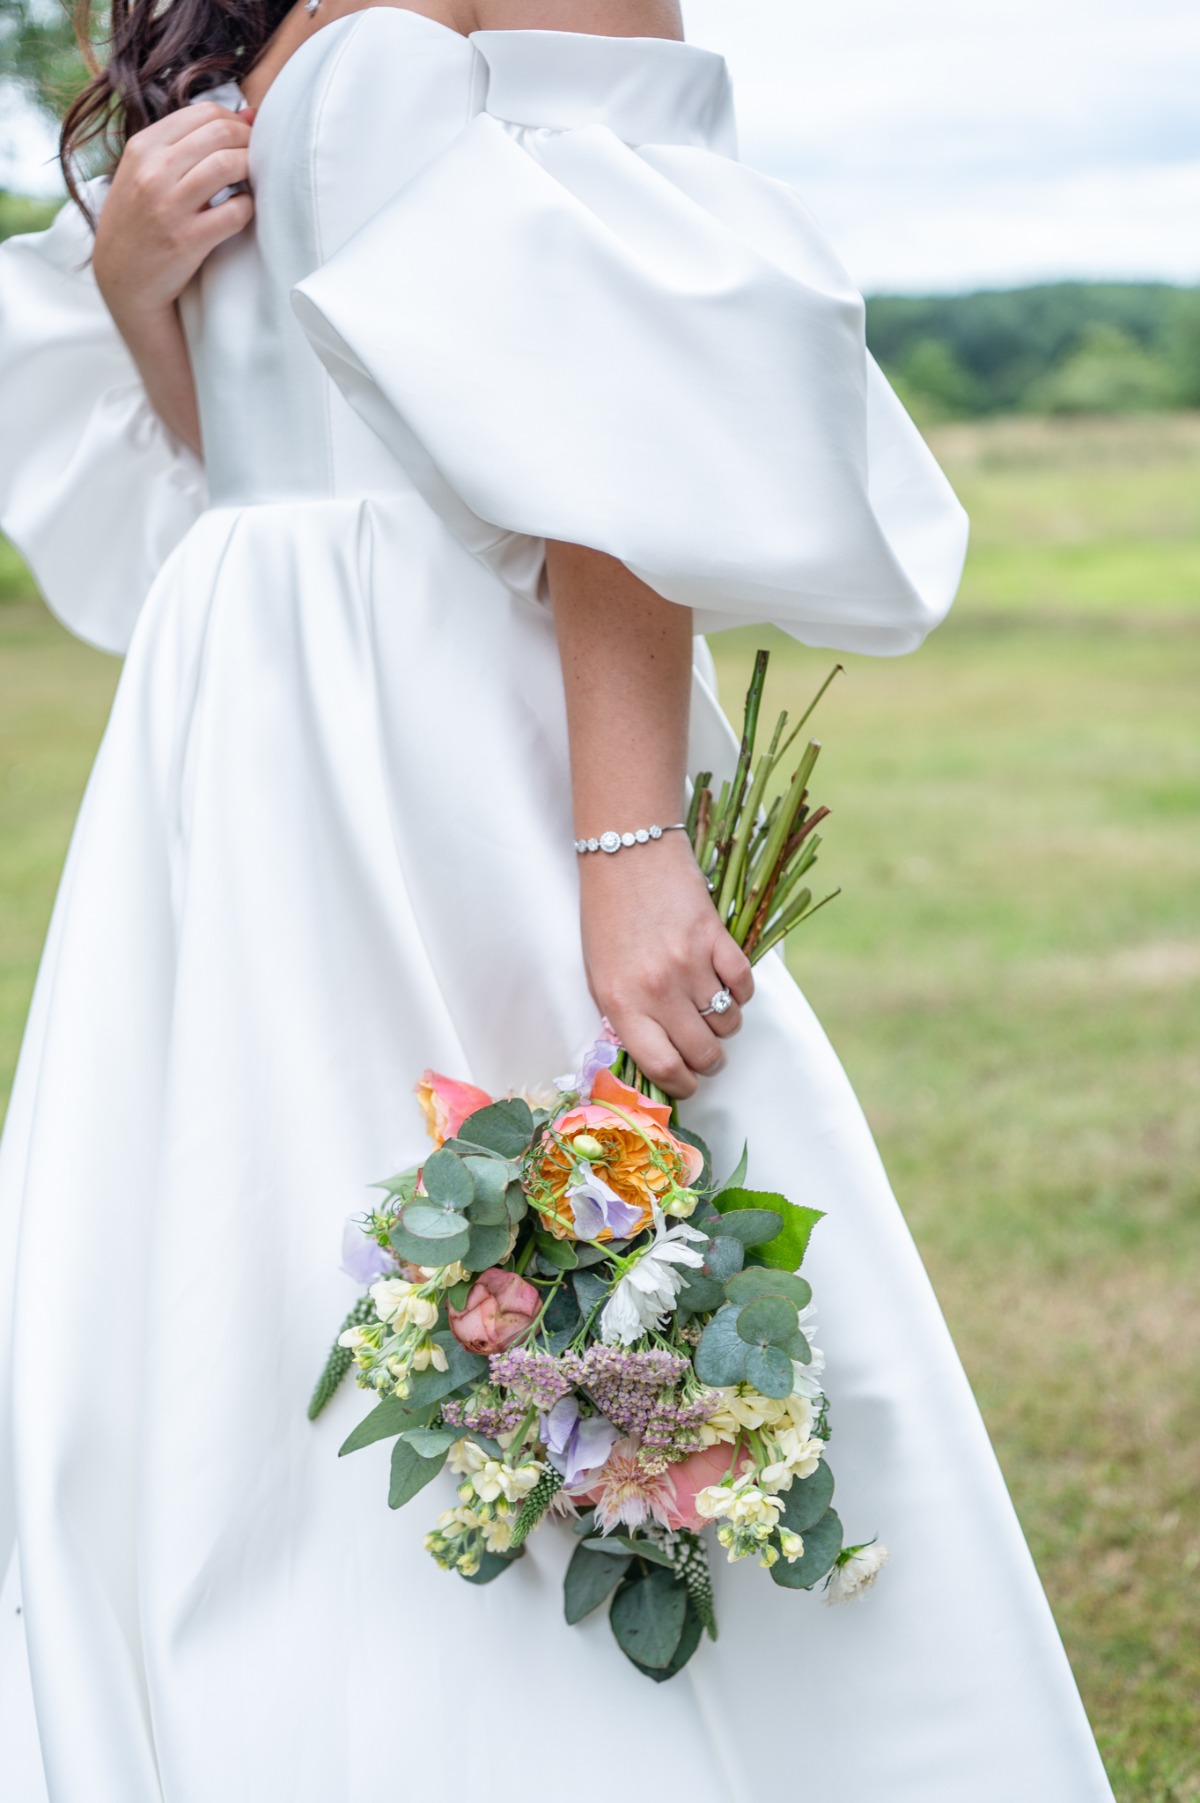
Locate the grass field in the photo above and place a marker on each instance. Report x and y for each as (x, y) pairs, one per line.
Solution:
(1012, 976)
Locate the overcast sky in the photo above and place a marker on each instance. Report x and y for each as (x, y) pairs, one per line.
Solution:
(950, 144)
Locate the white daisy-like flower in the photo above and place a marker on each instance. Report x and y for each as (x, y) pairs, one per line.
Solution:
(855, 1572)
(649, 1290)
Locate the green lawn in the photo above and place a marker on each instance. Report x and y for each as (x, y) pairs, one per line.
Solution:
(1012, 976)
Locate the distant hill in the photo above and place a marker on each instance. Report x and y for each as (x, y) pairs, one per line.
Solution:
(1063, 347)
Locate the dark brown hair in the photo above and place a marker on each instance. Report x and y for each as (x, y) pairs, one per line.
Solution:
(159, 53)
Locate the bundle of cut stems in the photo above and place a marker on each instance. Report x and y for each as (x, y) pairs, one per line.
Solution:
(756, 853)
(757, 841)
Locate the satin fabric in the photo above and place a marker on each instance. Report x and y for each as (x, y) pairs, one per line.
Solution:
(328, 842)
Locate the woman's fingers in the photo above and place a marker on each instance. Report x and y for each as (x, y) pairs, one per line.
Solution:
(656, 1056)
(733, 967)
(228, 131)
(219, 170)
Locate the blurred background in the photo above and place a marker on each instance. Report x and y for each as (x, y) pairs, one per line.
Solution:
(1012, 972)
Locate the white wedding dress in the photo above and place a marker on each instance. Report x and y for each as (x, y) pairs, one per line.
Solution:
(498, 289)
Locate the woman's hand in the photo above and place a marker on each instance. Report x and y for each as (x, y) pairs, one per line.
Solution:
(656, 953)
(653, 944)
(156, 228)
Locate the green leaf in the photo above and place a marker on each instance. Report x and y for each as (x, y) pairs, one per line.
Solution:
(807, 1500)
(591, 1578)
(721, 1353)
(430, 1441)
(647, 1618)
(559, 1254)
(620, 1546)
(447, 1180)
(492, 1566)
(822, 1544)
(768, 1321)
(798, 1348)
(786, 1251)
(752, 1226)
(515, 1203)
(593, 1255)
(590, 1290)
(689, 1640)
(427, 1252)
(560, 1323)
(457, 1295)
(761, 1280)
(700, 1295)
(410, 1473)
(403, 1184)
(487, 1246)
(391, 1416)
(490, 1179)
(502, 1128)
(770, 1371)
(426, 1221)
(723, 1255)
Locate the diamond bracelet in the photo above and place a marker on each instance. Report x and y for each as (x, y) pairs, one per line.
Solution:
(617, 841)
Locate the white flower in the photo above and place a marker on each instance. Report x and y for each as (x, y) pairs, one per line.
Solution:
(649, 1290)
(352, 1339)
(855, 1572)
(427, 1354)
(792, 1544)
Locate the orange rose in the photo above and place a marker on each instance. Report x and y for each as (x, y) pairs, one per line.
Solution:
(446, 1104)
(631, 1147)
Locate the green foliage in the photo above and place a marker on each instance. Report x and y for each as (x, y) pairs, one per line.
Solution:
(786, 1250)
(956, 356)
(648, 1616)
(39, 54)
(822, 1544)
(806, 1500)
(411, 1471)
(590, 1580)
(20, 213)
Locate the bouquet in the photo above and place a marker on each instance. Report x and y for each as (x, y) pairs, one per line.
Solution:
(573, 1314)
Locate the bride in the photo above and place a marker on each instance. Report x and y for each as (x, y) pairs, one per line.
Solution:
(414, 404)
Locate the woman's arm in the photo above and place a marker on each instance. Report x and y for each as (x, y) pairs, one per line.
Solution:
(653, 945)
(155, 229)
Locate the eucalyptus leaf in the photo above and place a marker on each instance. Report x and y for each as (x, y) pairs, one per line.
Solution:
(689, 1640)
(647, 1618)
(502, 1128)
(446, 1179)
(592, 1255)
(822, 1544)
(417, 1251)
(807, 1499)
(721, 1354)
(457, 1295)
(590, 1579)
(799, 1349)
(426, 1221)
(411, 1473)
(770, 1371)
(761, 1280)
(487, 1246)
(515, 1203)
(723, 1255)
(767, 1321)
(700, 1295)
(490, 1180)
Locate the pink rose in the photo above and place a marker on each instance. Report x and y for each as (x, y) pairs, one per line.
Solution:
(446, 1104)
(693, 1474)
(500, 1307)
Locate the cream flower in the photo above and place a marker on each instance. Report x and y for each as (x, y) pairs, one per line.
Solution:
(855, 1572)
(400, 1304)
(353, 1338)
(796, 1455)
(427, 1354)
(792, 1544)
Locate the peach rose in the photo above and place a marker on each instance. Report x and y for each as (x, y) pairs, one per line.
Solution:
(446, 1104)
(499, 1309)
(630, 1131)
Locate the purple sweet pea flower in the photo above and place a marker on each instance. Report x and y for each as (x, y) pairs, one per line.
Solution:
(576, 1444)
(596, 1206)
(362, 1258)
(600, 1056)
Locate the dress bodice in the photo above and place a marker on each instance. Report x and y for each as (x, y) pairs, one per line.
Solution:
(355, 113)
